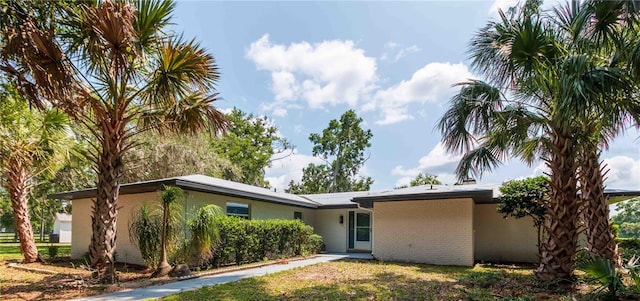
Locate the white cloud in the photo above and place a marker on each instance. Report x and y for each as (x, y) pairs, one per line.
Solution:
(437, 162)
(624, 172)
(320, 74)
(404, 51)
(290, 168)
(430, 84)
(279, 112)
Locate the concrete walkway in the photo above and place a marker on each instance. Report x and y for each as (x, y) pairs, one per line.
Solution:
(154, 292)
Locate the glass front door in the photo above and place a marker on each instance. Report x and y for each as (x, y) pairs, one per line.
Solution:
(359, 230)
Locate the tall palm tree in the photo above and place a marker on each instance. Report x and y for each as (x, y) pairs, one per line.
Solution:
(115, 68)
(551, 85)
(608, 30)
(30, 143)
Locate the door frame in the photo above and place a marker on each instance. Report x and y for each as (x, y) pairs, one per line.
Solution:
(353, 244)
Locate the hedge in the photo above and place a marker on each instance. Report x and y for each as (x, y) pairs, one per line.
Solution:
(243, 241)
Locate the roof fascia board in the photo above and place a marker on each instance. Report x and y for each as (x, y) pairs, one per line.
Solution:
(478, 196)
(344, 206)
(238, 193)
(131, 188)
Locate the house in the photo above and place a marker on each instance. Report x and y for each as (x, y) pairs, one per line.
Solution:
(62, 225)
(453, 225)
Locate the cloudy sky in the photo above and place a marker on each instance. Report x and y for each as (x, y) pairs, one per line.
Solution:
(304, 63)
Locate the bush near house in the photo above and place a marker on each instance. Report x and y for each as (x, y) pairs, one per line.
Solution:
(243, 241)
(629, 247)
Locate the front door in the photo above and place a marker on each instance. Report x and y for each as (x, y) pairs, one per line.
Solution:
(359, 230)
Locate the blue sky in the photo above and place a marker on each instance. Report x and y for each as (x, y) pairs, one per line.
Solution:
(304, 63)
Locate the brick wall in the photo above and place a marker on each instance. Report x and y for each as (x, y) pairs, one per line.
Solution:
(430, 231)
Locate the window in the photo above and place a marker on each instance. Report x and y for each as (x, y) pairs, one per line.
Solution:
(297, 215)
(238, 209)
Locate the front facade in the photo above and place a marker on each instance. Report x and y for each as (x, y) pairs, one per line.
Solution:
(431, 224)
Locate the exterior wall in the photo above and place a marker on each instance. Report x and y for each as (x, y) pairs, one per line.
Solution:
(332, 231)
(128, 203)
(257, 209)
(63, 229)
(430, 231)
(82, 231)
(503, 240)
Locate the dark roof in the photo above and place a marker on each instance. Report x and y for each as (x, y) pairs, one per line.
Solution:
(200, 183)
(480, 193)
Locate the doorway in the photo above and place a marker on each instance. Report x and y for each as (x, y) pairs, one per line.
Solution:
(359, 231)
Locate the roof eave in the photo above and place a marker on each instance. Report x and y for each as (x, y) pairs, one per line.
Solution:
(478, 196)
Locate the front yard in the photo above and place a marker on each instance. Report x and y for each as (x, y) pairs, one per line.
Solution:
(372, 280)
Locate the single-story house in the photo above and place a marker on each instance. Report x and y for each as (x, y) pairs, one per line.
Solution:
(452, 225)
(62, 224)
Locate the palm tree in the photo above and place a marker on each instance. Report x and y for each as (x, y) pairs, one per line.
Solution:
(205, 234)
(169, 196)
(552, 85)
(30, 143)
(606, 27)
(114, 68)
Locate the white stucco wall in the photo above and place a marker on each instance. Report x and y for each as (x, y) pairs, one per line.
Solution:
(63, 229)
(503, 240)
(328, 226)
(430, 231)
(82, 231)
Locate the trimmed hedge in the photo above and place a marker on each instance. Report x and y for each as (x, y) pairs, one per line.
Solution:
(243, 241)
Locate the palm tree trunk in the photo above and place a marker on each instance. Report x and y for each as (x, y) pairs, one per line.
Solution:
(18, 179)
(559, 245)
(163, 267)
(600, 240)
(105, 212)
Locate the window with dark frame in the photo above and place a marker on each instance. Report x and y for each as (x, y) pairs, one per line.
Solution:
(238, 209)
(297, 215)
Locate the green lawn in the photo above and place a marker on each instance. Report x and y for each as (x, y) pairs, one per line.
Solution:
(371, 280)
(11, 251)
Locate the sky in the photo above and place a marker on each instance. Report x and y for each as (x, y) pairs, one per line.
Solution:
(302, 64)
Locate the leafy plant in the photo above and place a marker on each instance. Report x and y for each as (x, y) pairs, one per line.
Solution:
(144, 232)
(52, 251)
(205, 233)
(603, 271)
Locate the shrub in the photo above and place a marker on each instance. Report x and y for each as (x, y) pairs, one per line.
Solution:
(314, 244)
(629, 247)
(254, 240)
(144, 232)
(53, 251)
(204, 234)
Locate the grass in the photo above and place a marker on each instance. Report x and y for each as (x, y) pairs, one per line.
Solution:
(371, 280)
(11, 251)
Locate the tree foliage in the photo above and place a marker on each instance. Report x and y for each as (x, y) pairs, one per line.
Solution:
(551, 79)
(116, 68)
(425, 179)
(157, 157)
(251, 143)
(527, 197)
(628, 219)
(342, 145)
